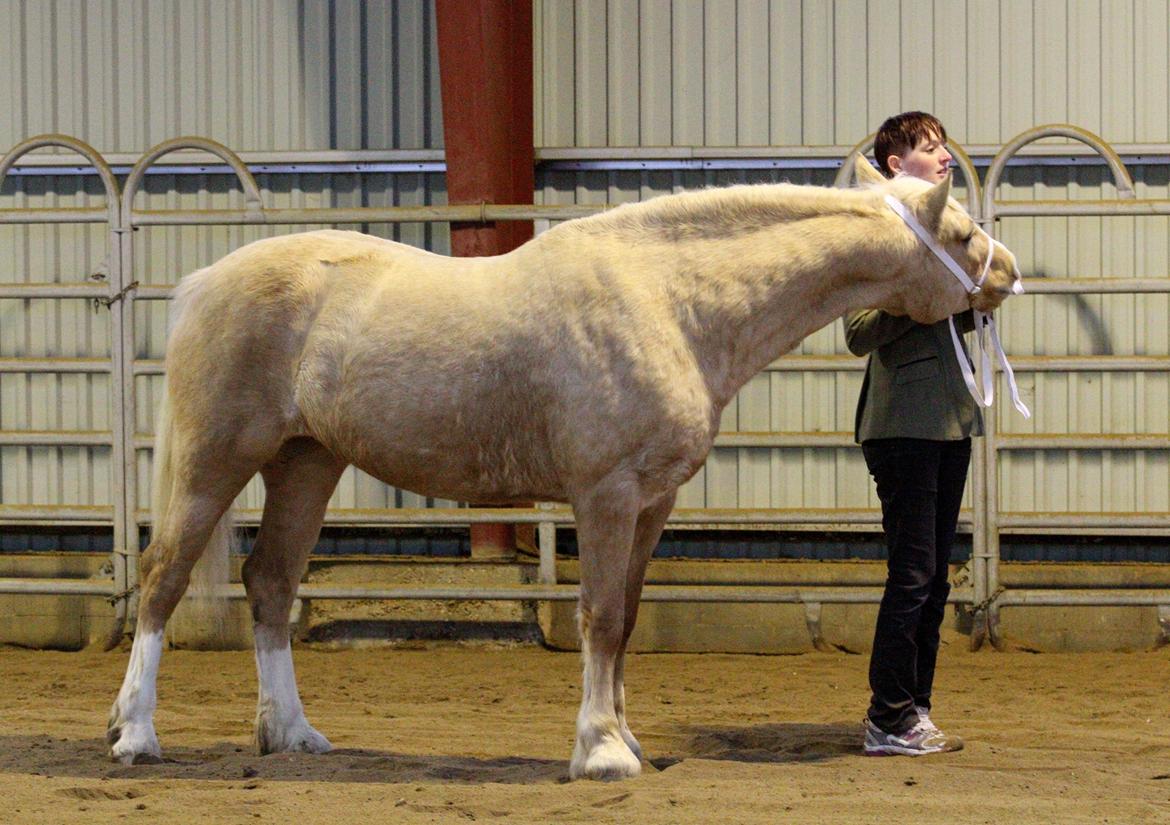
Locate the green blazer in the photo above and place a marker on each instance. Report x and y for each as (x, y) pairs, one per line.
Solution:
(913, 386)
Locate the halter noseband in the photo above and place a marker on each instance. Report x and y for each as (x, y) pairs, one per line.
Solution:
(984, 322)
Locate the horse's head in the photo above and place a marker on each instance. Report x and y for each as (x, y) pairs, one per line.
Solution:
(934, 291)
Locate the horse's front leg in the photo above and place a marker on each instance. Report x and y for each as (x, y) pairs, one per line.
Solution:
(648, 532)
(606, 520)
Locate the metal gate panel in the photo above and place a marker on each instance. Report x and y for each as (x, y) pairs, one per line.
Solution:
(46, 328)
(1108, 402)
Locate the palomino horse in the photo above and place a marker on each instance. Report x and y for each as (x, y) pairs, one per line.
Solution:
(588, 366)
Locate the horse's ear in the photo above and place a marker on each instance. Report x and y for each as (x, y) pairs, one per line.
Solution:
(934, 203)
(864, 172)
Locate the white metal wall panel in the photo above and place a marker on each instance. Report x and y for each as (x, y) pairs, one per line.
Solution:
(555, 55)
(752, 70)
(785, 50)
(1151, 27)
(720, 73)
(688, 73)
(850, 72)
(816, 76)
(883, 70)
(622, 77)
(655, 77)
(124, 75)
(592, 74)
(826, 72)
(1050, 57)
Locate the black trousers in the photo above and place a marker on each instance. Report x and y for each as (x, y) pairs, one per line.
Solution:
(920, 484)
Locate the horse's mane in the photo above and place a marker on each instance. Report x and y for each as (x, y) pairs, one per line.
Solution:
(727, 212)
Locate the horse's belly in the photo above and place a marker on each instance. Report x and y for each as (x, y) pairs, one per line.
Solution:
(457, 470)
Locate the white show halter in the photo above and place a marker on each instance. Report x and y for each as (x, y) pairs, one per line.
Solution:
(984, 322)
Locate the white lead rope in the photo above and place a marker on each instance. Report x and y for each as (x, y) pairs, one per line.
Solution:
(984, 322)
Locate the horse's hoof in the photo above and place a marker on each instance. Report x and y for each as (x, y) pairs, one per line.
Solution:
(302, 738)
(132, 745)
(609, 760)
(312, 742)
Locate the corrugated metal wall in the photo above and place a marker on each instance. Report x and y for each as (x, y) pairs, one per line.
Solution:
(269, 75)
(826, 72)
(124, 75)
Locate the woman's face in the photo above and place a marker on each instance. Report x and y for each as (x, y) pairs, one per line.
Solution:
(929, 160)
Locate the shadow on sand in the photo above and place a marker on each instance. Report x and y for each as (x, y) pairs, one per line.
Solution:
(779, 742)
(226, 761)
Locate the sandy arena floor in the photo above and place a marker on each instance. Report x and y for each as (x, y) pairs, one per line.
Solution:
(458, 734)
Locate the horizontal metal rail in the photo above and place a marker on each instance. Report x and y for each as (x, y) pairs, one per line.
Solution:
(701, 594)
(1140, 523)
(49, 164)
(57, 587)
(362, 214)
(1091, 363)
(82, 214)
(1102, 597)
(1095, 286)
(55, 438)
(742, 440)
(1082, 441)
(850, 363)
(27, 291)
(1136, 207)
(56, 365)
(714, 593)
(50, 514)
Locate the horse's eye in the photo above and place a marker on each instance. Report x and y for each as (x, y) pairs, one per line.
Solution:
(969, 236)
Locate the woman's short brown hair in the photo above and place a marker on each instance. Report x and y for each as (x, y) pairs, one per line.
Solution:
(903, 132)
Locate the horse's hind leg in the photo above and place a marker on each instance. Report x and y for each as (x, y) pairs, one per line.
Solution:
(605, 534)
(646, 536)
(198, 501)
(298, 483)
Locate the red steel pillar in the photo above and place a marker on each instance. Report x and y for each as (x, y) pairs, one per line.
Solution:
(485, 75)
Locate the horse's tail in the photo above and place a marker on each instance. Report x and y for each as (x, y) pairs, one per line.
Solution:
(200, 620)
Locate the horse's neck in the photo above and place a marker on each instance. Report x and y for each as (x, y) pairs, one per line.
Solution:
(755, 298)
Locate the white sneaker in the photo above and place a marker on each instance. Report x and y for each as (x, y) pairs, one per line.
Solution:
(915, 742)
